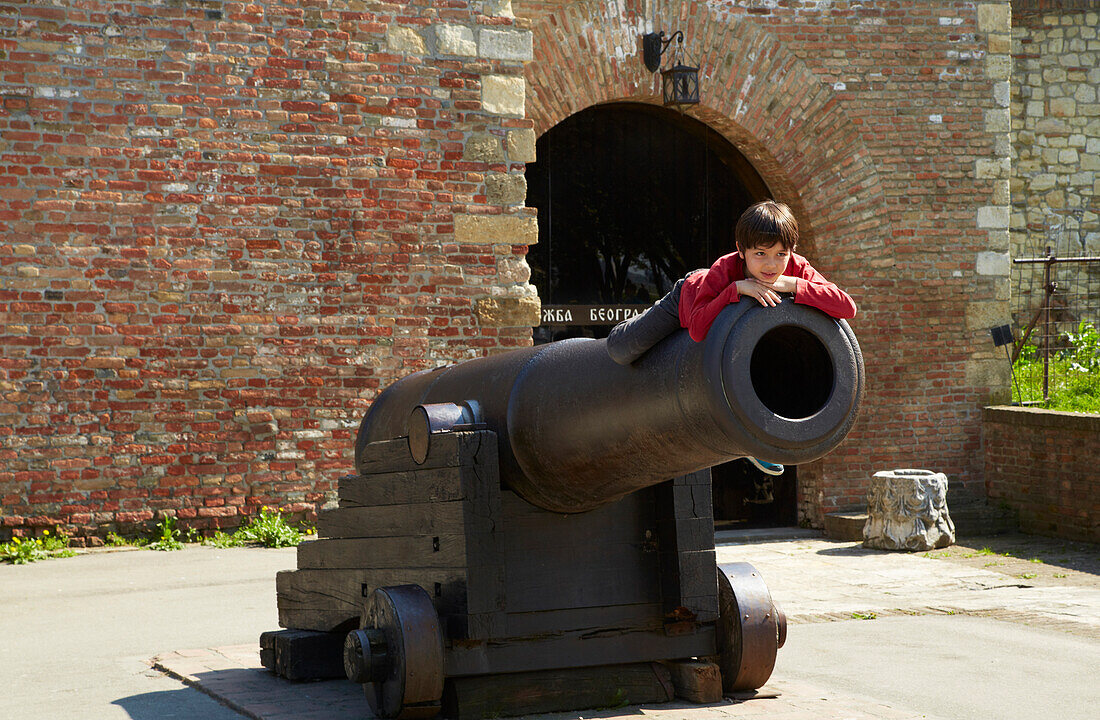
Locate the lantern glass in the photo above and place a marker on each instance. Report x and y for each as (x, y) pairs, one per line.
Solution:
(680, 85)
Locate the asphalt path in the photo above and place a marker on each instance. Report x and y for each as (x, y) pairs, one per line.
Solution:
(76, 634)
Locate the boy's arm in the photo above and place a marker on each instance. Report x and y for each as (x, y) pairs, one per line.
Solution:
(811, 288)
(709, 293)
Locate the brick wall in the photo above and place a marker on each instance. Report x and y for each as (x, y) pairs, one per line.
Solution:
(1046, 466)
(224, 226)
(886, 127)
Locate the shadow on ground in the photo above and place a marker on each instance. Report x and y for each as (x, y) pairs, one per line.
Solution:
(167, 704)
(1028, 557)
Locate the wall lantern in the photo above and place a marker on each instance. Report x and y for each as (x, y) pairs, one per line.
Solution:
(679, 83)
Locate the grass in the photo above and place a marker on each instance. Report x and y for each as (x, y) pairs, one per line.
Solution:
(864, 616)
(1074, 373)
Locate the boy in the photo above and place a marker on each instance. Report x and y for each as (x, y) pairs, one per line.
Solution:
(764, 265)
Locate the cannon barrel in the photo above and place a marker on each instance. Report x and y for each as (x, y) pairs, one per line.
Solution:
(576, 430)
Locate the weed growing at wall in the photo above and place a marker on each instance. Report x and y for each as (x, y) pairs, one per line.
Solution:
(21, 551)
(268, 529)
(1073, 372)
(168, 536)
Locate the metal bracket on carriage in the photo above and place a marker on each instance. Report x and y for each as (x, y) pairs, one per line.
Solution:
(435, 418)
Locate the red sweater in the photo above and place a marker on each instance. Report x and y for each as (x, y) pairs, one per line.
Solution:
(704, 294)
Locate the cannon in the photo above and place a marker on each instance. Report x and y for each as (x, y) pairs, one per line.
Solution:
(528, 530)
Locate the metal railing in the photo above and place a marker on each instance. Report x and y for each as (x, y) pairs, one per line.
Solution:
(1056, 315)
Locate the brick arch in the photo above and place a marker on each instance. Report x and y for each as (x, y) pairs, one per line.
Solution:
(792, 126)
(756, 93)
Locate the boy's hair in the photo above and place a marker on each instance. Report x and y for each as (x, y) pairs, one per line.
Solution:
(765, 224)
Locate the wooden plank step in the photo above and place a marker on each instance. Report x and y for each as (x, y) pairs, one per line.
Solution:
(430, 485)
(424, 551)
(418, 518)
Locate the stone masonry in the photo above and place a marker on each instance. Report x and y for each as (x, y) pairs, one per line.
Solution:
(1056, 130)
(225, 226)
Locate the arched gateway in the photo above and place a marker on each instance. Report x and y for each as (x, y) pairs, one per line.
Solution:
(631, 195)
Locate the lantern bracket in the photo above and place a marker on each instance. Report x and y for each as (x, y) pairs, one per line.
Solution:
(654, 46)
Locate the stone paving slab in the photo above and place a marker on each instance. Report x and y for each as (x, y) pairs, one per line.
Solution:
(815, 580)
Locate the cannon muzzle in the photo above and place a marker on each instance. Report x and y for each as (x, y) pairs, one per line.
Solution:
(576, 430)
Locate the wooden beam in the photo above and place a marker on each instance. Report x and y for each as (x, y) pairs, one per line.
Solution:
(473, 698)
(327, 599)
(576, 649)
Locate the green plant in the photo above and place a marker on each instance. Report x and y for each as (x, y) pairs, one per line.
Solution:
(1074, 372)
(168, 537)
(222, 539)
(21, 551)
(1028, 576)
(115, 540)
(864, 616)
(269, 529)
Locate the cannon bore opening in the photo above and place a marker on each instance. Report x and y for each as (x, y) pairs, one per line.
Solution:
(791, 372)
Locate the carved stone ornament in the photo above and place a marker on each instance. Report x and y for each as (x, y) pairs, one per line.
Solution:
(907, 510)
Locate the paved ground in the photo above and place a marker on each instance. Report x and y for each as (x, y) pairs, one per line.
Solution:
(970, 632)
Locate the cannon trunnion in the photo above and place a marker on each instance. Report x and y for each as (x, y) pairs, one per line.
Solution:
(512, 541)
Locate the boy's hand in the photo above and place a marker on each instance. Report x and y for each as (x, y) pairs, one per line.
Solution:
(764, 293)
(784, 283)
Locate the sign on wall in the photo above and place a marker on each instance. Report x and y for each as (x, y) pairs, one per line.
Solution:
(589, 314)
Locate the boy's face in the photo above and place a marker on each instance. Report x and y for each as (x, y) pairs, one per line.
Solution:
(765, 264)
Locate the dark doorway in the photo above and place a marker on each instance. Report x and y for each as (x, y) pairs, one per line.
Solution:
(631, 197)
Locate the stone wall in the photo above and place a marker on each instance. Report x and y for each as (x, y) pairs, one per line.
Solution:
(1056, 138)
(225, 226)
(1046, 466)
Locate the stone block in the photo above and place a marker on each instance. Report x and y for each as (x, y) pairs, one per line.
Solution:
(404, 40)
(995, 18)
(1042, 181)
(483, 147)
(502, 94)
(1063, 107)
(502, 44)
(998, 168)
(508, 312)
(521, 145)
(498, 8)
(496, 229)
(993, 263)
(998, 120)
(1000, 43)
(907, 510)
(506, 188)
(998, 67)
(455, 40)
(845, 526)
(993, 217)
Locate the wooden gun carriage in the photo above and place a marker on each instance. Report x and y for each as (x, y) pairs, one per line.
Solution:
(539, 523)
